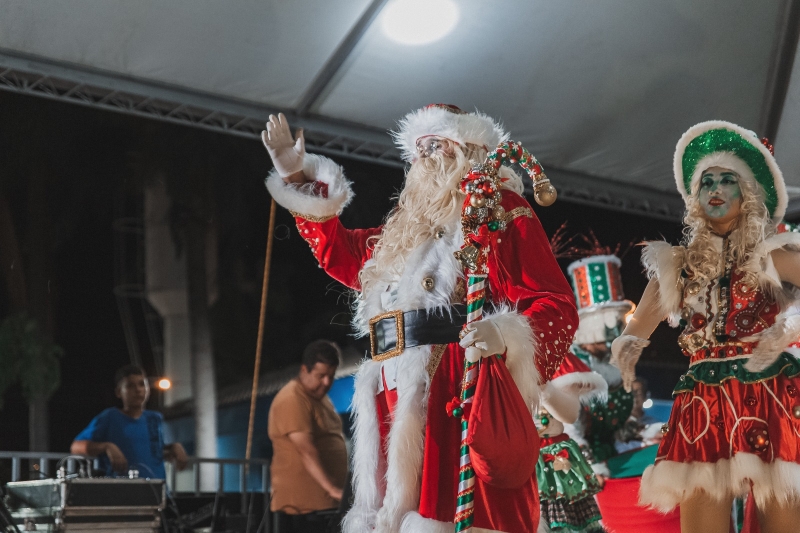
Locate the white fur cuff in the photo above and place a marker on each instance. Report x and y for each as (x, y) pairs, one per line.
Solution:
(302, 200)
(592, 385)
(664, 263)
(520, 351)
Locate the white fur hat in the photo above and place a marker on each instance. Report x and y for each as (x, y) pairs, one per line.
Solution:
(450, 122)
(717, 143)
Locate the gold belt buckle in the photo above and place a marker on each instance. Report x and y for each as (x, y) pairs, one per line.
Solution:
(401, 339)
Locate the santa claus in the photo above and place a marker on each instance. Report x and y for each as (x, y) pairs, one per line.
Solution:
(411, 295)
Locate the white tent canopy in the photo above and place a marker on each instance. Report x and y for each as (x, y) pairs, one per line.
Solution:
(598, 90)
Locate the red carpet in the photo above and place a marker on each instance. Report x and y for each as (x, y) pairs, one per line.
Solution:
(622, 514)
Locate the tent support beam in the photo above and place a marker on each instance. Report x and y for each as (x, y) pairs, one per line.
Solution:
(339, 56)
(64, 82)
(780, 73)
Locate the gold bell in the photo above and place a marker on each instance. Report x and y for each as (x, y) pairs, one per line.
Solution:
(428, 284)
(796, 411)
(543, 191)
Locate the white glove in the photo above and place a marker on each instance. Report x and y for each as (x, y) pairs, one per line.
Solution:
(773, 341)
(625, 352)
(483, 339)
(287, 153)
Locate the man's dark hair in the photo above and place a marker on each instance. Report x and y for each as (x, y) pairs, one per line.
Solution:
(321, 351)
(127, 370)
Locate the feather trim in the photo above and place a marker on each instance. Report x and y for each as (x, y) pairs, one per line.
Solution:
(520, 351)
(667, 483)
(593, 385)
(773, 341)
(761, 263)
(367, 456)
(664, 263)
(302, 200)
(405, 448)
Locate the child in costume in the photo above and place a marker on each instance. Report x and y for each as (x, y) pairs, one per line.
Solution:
(735, 423)
(567, 484)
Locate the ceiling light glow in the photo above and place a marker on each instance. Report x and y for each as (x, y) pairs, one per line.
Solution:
(417, 22)
(164, 384)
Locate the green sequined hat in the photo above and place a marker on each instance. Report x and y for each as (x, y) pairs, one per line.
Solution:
(717, 143)
(602, 306)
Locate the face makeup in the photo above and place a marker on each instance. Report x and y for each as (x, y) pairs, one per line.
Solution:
(720, 195)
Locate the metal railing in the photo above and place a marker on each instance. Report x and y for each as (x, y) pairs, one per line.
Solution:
(244, 467)
(41, 462)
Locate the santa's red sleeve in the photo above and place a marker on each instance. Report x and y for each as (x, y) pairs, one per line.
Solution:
(524, 274)
(316, 207)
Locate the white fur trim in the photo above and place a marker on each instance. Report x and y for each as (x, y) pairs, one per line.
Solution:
(513, 180)
(302, 200)
(414, 522)
(406, 441)
(761, 260)
(667, 483)
(595, 320)
(476, 128)
(520, 351)
(594, 385)
(723, 161)
(773, 341)
(367, 457)
(664, 263)
(601, 469)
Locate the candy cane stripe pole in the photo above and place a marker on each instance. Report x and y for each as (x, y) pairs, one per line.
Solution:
(481, 214)
(476, 295)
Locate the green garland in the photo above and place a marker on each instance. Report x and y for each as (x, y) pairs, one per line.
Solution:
(714, 372)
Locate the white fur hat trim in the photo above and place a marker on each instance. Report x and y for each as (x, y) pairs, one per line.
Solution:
(438, 119)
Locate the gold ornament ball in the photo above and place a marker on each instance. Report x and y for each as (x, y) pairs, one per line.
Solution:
(498, 212)
(477, 201)
(545, 194)
(796, 411)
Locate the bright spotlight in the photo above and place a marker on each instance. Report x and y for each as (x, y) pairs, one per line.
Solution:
(416, 22)
(648, 403)
(164, 384)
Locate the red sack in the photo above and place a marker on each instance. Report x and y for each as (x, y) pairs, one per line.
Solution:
(503, 441)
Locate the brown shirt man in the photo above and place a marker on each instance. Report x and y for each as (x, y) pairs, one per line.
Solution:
(295, 412)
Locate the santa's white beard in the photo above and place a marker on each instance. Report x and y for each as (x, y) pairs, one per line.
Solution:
(431, 199)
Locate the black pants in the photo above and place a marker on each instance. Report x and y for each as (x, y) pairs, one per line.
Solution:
(316, 522)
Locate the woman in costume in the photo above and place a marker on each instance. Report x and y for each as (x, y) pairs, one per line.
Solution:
(735, 424)
(567, 483)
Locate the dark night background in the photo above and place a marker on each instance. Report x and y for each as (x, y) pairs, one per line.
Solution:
(93, 162)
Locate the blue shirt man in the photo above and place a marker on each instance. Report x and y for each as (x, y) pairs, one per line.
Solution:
(140, 440)
(131, 437)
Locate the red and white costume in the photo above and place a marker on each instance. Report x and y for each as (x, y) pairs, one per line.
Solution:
(406, 446)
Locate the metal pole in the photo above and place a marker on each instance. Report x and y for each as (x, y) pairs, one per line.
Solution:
(260, 339)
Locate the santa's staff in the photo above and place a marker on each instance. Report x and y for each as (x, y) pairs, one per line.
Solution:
(482, 214)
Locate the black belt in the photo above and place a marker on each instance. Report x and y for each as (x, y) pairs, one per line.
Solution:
(393, 332)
